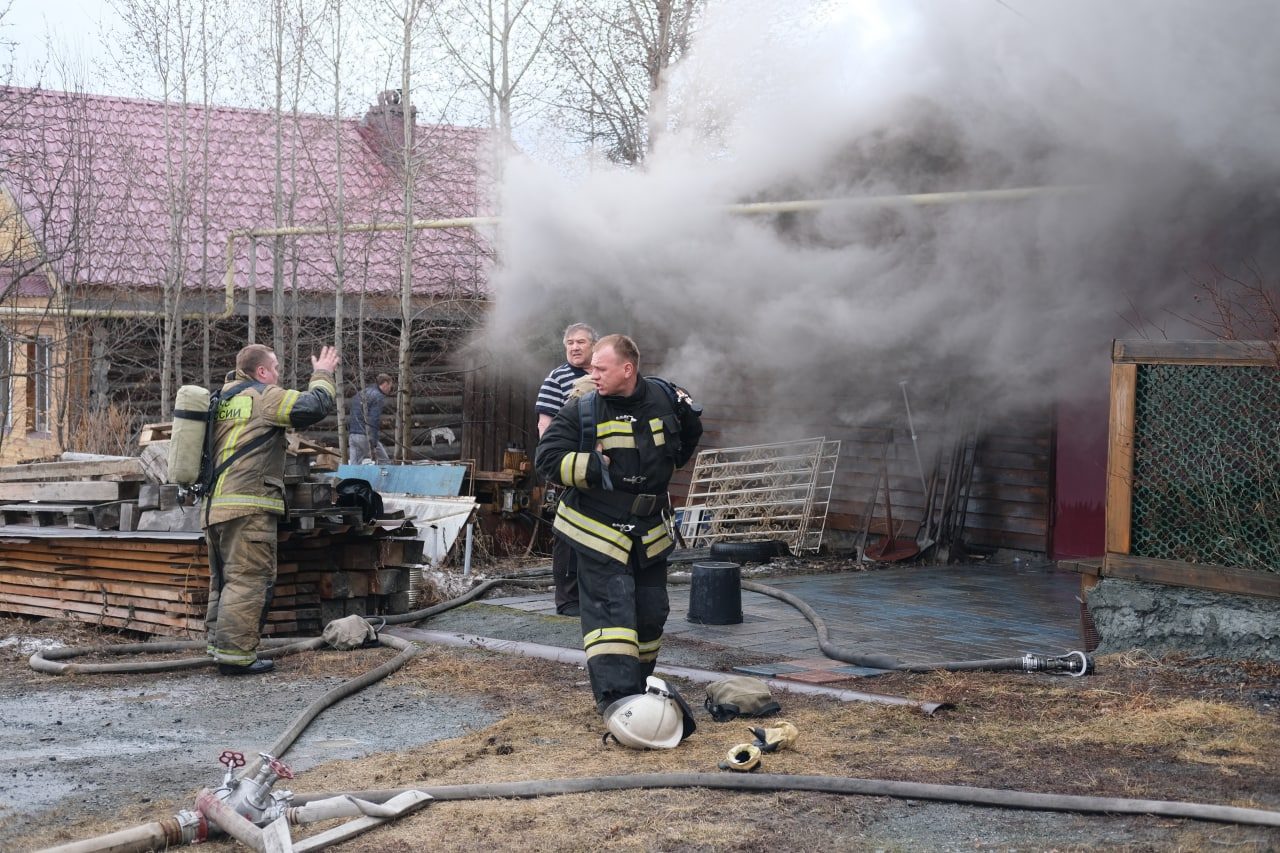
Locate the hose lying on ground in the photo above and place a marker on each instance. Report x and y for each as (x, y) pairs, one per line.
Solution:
(828, 785)
(1073, 663)
(169, 832)
(48, 661)
(145, 837)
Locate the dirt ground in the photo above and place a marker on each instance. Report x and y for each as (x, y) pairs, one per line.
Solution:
(136, 748)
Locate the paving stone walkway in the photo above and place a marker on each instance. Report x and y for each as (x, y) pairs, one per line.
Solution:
(917, 614)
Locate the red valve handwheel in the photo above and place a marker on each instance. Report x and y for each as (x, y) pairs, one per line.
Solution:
(231, 758)
(280, 769)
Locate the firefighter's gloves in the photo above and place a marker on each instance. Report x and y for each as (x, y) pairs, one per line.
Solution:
(781, 735)
(745, 757)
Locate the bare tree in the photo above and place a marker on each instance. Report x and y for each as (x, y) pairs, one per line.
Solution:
(497, 45)
(1240, 307)
(617, 53)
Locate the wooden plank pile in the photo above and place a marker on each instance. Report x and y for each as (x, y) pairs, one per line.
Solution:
(111, 549)
(155, 587)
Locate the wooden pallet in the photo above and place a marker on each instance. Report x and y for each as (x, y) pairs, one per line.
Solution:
(155, 432)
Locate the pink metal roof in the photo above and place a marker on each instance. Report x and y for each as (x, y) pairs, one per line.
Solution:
(115, 189)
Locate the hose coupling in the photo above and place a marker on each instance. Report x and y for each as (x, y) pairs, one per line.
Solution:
(192, 828)
(1074, 664)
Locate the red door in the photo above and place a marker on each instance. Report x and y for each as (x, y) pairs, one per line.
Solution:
(1080, 480)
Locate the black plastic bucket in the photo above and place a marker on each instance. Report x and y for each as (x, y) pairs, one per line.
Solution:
(715, 594)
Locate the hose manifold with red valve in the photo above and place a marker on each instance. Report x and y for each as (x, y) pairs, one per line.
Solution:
(252, 797)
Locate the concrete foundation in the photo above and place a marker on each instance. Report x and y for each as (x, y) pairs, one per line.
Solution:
(1163, 619)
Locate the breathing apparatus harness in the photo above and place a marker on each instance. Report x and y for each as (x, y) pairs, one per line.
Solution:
(209, 473)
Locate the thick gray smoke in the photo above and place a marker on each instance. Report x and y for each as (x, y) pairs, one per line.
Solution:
(1162, 109)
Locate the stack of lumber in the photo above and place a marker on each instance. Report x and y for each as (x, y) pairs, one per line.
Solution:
(155, 587)
(327, 576)
(160, 586)
(91, 541)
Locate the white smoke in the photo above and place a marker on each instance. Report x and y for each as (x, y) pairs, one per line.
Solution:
(1159, 107)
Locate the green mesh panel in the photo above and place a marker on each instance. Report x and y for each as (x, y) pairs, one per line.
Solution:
(1206, 465)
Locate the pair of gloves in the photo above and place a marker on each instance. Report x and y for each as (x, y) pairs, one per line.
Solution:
(745, 757)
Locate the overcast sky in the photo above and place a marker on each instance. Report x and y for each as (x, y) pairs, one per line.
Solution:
(72, 27)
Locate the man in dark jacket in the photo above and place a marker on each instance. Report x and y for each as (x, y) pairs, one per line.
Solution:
(364, 421)
(247, 498)
(615, 451)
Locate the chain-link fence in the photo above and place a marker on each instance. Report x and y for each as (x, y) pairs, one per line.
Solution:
(1206, 465)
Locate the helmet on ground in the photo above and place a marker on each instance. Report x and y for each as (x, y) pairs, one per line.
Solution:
(655, 719)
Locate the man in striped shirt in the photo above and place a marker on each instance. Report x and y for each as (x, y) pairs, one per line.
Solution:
(579, 339)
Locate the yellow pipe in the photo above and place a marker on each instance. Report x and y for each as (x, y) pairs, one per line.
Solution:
(752, 208)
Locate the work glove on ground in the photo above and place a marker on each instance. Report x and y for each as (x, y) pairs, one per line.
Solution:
(780, 735)
(744, 758)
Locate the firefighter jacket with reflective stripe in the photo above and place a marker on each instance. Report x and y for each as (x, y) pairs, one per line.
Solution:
(612, 511)
(255, 481)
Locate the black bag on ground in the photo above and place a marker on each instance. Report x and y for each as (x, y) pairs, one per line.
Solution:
(360, 494)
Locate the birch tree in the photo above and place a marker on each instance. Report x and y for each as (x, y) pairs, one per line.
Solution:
(160, 37)
(501, 50)
(617, 53)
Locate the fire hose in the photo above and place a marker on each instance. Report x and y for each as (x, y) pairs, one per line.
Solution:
(190, 827)
(1072, 663)
(187, 828)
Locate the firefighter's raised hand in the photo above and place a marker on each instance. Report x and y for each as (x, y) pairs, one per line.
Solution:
(327, 360)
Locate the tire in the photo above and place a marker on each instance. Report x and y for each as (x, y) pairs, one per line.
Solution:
(749, 551)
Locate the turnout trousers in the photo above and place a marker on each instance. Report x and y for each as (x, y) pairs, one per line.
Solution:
(623, 611)
(564, 571)
(242, 577)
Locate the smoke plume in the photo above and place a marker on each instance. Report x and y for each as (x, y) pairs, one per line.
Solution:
(1156, 110)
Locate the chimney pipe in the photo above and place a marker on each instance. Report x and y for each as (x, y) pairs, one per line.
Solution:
(382, 127)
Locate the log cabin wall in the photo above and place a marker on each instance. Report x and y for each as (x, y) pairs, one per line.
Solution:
(497, 414)
(129, 374)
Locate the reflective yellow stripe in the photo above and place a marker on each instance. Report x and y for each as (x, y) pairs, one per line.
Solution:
(592, 534)
(651, 646)
(656, 541)
(614, 428)
(321, 382)
(613, 649)
(285, 409)
(626, 635)
(611, 641)
(615, 435)
(275, 505)
(233, 657)
(573, 470)
(655, 429)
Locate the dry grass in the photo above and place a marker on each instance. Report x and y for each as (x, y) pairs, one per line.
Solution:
(1026, 732)
(1141, 728)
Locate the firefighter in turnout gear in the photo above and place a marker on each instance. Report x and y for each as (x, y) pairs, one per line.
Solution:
(247, 497)
(614, 451)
